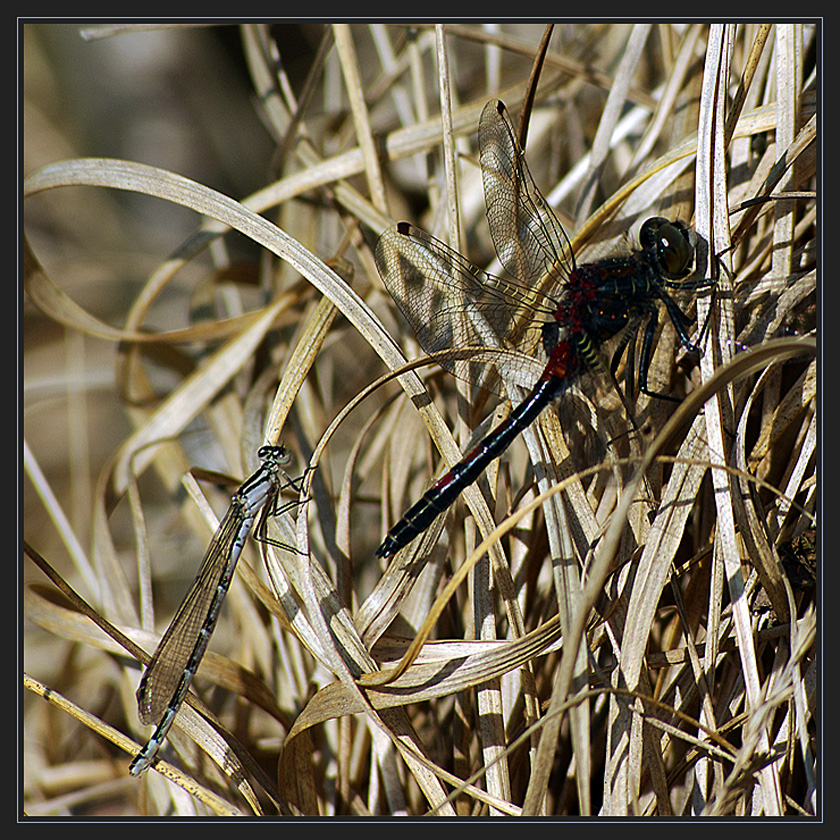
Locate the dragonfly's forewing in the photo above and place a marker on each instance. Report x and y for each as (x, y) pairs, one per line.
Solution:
(528, 237)
(452, 304)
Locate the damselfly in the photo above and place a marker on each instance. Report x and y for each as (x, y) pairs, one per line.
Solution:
(173, 666)
(553, 309)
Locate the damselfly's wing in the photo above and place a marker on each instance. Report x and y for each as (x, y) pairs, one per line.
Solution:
(162, 677)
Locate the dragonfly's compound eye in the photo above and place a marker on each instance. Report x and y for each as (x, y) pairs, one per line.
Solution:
(671, 243)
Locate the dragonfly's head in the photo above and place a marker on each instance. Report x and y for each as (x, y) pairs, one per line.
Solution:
(670, 245)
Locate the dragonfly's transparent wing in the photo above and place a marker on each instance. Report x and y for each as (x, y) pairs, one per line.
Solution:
(528, 237)
(452, 304)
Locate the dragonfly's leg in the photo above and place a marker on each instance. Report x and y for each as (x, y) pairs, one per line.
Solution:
(708, 318)
(647, 354)
(681, 322)
(619, 351)
(630, 364)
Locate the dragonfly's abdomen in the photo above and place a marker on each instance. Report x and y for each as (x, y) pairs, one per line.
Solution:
(446, 490)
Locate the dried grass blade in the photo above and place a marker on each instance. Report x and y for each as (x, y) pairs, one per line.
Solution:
(352, 81)
(215, 803)
(298, 366)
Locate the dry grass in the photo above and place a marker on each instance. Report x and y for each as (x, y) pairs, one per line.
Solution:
(649, 651)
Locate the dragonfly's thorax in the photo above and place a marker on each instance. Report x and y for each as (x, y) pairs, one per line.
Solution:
(601, 298)
(597, 302)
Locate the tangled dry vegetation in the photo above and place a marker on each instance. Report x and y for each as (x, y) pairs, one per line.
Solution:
(638, 636)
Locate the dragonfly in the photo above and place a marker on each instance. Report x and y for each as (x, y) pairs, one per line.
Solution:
(556, 313)
(167, 679)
